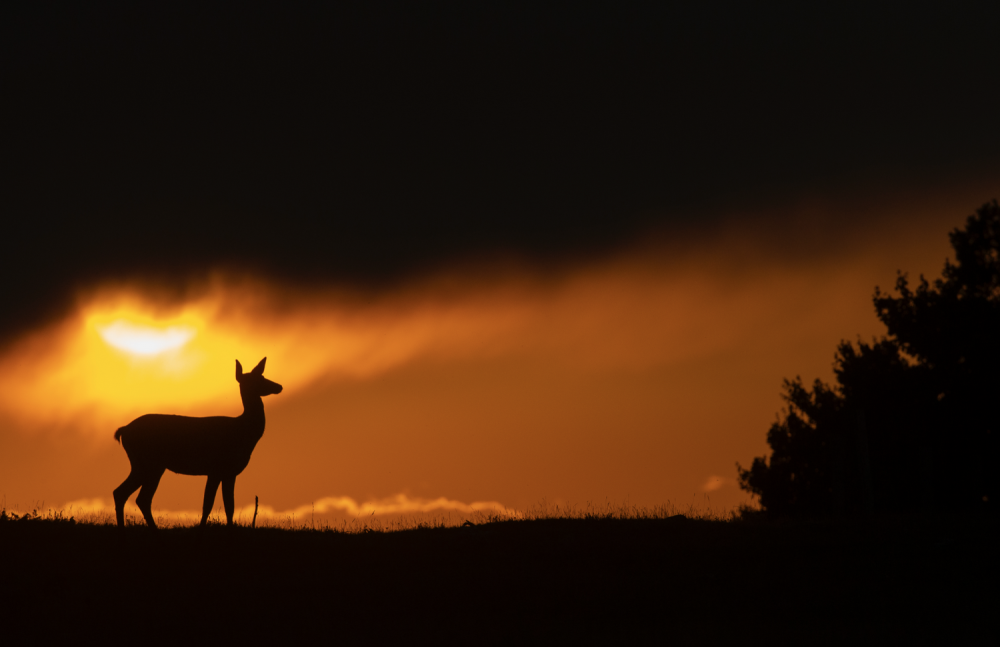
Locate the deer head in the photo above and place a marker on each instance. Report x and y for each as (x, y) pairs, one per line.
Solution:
(254, 383)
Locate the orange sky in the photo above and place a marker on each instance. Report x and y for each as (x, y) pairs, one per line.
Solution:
(643, 377)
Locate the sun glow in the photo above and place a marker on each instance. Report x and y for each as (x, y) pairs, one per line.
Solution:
(144, 340)
(122, 356)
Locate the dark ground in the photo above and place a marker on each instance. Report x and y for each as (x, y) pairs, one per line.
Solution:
(555, 580)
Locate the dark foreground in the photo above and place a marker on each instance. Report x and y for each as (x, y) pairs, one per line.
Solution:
(668, 580)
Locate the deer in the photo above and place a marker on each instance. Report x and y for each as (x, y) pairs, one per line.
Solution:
(218, 447)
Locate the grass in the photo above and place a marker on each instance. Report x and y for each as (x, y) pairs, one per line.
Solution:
(594, 574)
(400, 522)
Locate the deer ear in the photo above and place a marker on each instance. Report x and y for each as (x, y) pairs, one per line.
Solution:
(259, 369)
(239, 371)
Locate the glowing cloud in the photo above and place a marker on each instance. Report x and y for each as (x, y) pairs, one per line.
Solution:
(120, 356)
(144, 340)
(399, 504)
(716, 482)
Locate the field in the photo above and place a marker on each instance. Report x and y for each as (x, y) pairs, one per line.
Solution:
(581, 577)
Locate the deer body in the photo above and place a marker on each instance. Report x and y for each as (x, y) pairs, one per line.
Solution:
(217, 447)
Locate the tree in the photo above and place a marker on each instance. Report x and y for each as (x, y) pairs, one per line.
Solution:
(912, 420)
(953, 329)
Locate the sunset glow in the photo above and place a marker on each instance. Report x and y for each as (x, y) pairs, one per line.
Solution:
(642, 378)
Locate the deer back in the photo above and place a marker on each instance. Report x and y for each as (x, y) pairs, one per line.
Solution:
(216, 445)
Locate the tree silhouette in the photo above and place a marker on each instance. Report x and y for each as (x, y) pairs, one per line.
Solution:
(912, 421)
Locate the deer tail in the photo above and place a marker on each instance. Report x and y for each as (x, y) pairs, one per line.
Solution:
(118, 434)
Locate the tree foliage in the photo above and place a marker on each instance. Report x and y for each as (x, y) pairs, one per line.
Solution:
(913, 418)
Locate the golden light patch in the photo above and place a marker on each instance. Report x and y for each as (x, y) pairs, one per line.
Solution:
(117, 358)
(141, 339)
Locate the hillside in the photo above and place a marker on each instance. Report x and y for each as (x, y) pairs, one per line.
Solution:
(532, 581)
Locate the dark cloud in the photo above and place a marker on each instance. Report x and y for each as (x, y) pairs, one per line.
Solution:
(365, 144)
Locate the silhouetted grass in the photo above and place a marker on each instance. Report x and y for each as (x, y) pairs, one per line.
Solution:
(600, 573)
(404, 521)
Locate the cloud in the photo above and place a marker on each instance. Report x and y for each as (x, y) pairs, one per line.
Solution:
(398, 504)
(70, 374)
(627, 314)
(340, 506)
(716, 482)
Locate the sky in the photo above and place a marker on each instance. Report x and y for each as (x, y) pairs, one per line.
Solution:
(497, 255)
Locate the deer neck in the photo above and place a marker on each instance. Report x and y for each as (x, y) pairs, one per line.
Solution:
(253, 413)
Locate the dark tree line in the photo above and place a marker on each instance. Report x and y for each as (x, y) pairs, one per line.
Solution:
(913, 419)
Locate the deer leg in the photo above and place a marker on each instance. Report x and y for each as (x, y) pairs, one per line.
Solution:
(122, 493)
(228, 499)
(145, 498)
(211, 487)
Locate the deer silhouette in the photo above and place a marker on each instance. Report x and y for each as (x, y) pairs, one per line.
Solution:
(218, 447)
